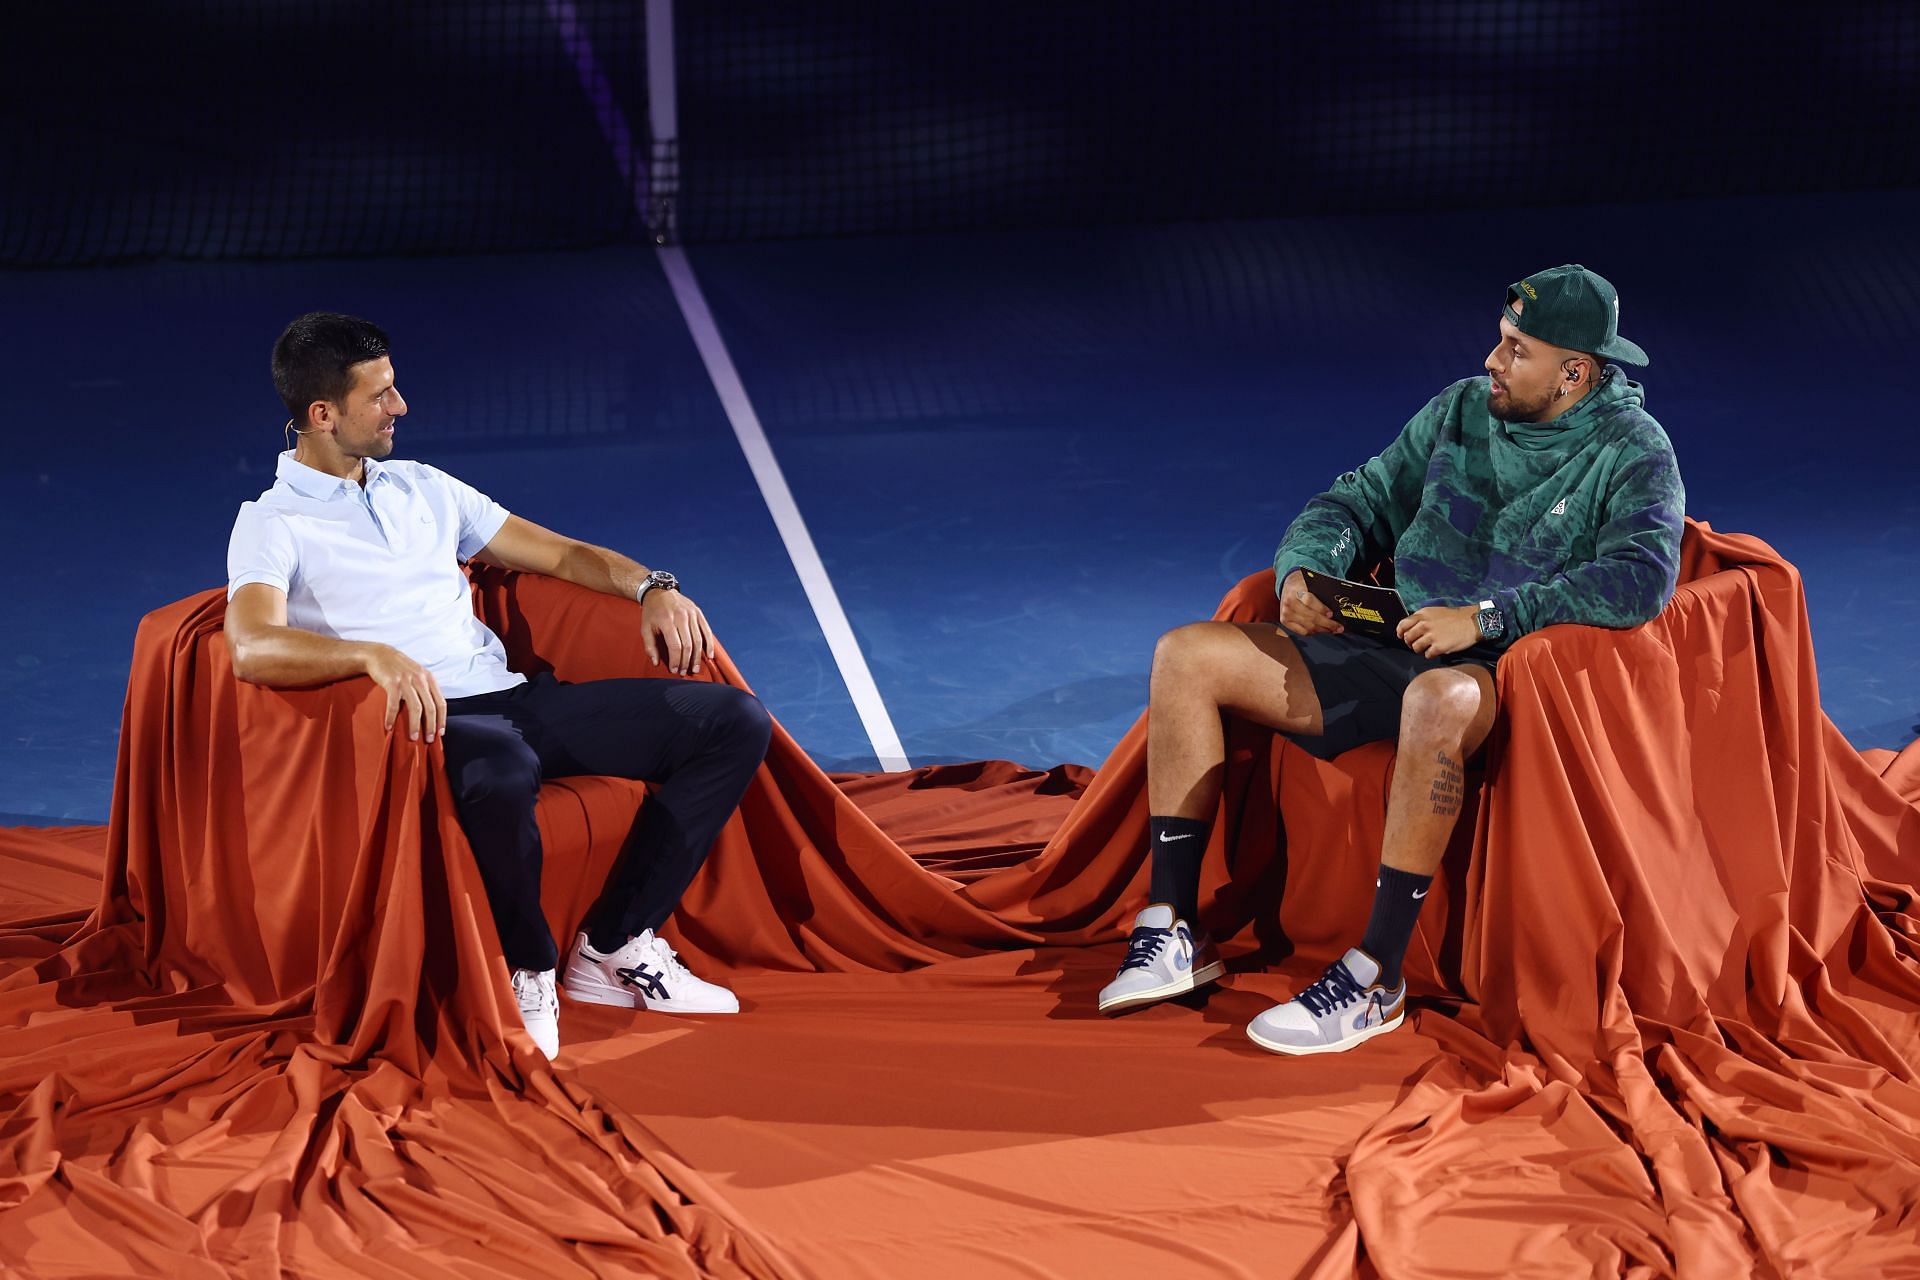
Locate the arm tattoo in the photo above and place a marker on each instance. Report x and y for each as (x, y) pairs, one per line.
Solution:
(1449, 786)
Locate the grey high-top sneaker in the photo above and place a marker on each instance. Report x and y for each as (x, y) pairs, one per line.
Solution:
(1164, 958)
(1344, 1007)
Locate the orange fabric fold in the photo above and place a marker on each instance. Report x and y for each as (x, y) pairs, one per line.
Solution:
(1667, 1013)
(282, 1038)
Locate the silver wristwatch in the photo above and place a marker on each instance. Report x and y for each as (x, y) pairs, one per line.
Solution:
(658, 578)
(1492, 623)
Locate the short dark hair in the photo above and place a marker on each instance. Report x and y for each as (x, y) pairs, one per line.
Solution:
(315, 355)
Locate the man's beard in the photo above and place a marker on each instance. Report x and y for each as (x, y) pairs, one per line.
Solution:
(1508, 409)
(379, 447)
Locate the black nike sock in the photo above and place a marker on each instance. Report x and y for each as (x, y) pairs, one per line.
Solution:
(1178, 845)
(1396, 907)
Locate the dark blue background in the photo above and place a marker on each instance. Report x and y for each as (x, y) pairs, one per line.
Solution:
(1152, 275)
(1023, 455)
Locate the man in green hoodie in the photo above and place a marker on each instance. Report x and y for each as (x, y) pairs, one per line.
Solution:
(1543, 492)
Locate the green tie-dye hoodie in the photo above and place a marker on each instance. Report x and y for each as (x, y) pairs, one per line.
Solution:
(1573, 520)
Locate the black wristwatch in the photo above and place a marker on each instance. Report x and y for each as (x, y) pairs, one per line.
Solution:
(1492, 623)
(658, 578)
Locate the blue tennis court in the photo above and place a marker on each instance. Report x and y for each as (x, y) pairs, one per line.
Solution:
(1022, 454)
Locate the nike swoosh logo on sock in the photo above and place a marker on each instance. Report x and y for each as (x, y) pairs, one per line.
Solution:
(1419, 893)
(1167, 839)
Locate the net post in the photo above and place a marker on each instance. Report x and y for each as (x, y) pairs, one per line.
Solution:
(663, 121)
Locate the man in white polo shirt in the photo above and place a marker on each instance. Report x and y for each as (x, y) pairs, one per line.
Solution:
(350, 566)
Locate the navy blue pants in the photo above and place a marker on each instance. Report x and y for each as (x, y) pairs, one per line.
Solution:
(699, 742)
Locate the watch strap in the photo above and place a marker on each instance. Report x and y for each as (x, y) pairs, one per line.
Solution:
(658, 578)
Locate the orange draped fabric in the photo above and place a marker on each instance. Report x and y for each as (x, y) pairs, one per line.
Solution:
(281, 1040)
(1667, 1008)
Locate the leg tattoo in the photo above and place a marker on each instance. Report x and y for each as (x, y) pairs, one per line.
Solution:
(1449, 786)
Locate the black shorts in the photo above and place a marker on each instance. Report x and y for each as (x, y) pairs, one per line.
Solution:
(1361, 680)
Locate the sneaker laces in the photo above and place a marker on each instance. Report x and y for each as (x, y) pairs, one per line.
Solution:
(1143, 946)
(670, 960)
(533, 988)
(1332, 990)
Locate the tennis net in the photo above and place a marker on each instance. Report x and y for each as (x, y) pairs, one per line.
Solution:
(285, 128)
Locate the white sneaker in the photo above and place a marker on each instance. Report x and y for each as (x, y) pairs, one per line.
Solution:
(646, 973)
(539, 1008)
(1164, 959)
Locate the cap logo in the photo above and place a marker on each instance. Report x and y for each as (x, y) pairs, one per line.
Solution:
(1528, 290)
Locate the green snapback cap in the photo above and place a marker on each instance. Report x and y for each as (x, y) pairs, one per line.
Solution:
(1574, 308)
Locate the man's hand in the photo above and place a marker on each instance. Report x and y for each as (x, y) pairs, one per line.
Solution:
(410, 684)
(673, 625)
(1438, 630)
(1302, 613)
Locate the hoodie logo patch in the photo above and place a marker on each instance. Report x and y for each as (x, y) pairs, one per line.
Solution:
(1559, 508)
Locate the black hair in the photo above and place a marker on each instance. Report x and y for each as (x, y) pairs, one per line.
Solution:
(314, 358)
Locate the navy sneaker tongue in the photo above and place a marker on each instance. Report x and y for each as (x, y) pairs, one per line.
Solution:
(1157, 916)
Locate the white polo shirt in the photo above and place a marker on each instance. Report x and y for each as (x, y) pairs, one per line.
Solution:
(378, 563)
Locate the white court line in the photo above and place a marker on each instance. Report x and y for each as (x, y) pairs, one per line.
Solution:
(786, 514)
(713, 352)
